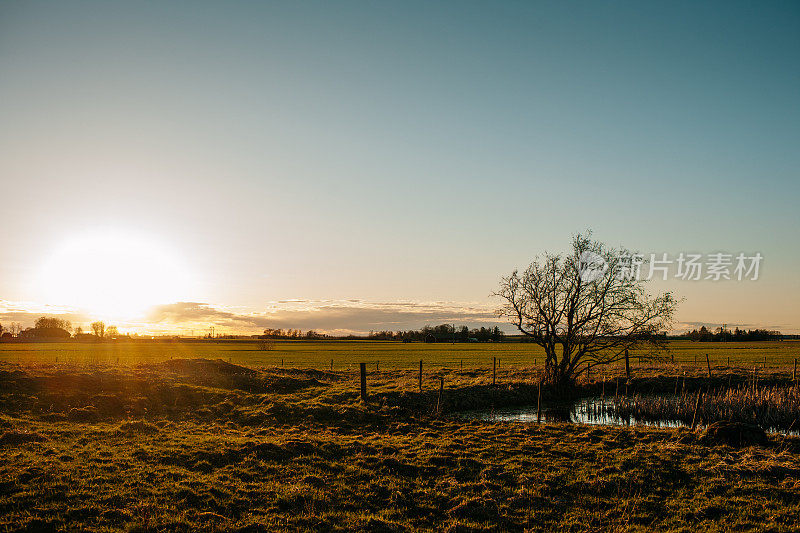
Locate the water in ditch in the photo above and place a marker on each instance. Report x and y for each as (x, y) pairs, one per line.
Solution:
(592, 411)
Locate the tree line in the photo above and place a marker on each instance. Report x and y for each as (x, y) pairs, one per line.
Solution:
(441, 333)
(52, 328)
(737, 335)
(270, 333)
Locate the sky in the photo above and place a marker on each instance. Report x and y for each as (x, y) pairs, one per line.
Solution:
(352, 166)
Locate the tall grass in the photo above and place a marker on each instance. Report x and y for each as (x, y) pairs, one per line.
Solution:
(771, 407)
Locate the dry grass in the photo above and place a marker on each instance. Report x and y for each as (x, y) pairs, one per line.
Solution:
(205, 446)
(771, 407)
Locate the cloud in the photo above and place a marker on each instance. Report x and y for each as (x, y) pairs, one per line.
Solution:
(330, 316)
(26, 313)
(345, 316)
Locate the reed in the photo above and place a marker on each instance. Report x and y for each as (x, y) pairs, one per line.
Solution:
(771, 407)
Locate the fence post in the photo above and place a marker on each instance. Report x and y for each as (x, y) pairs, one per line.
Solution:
(494, 371)
(794, 373)
(708, 364)
(331, 364)
(420, 375)
(628, 365)
(377, 366)
(363, 381)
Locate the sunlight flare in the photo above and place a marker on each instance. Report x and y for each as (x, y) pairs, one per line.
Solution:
(113, 275)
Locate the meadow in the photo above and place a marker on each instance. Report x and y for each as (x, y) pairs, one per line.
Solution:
(173, 436)
(346, 354)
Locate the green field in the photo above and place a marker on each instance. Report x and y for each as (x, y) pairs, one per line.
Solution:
(387, 354)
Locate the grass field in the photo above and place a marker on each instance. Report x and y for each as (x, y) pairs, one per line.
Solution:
(163, 441)
(390, 355)
(203, 445)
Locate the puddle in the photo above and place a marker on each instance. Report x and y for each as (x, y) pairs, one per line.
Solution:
(592, 411)
(582, 411)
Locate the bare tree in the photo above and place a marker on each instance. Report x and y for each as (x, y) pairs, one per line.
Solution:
(588, 306)
(99, 329)
(52, 323)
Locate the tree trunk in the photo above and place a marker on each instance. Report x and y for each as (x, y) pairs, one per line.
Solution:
(558, 376)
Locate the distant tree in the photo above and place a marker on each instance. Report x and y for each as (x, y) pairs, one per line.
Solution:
(584, 307)
(739, 335)
(48, 328)
(99, 329)
(112, 331)
(45, 333)
(381, 335)
(52, 323)
(78, 331)
(497, 334)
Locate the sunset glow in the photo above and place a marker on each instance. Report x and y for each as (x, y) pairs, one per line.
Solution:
(229, 160)
(399, 266)
(113, 276)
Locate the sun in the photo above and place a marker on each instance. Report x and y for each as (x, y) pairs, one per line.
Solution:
(113, 275)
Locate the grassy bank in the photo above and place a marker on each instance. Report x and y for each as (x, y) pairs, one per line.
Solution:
(208, 445)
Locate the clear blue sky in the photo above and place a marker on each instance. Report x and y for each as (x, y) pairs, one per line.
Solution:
(387, 151)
